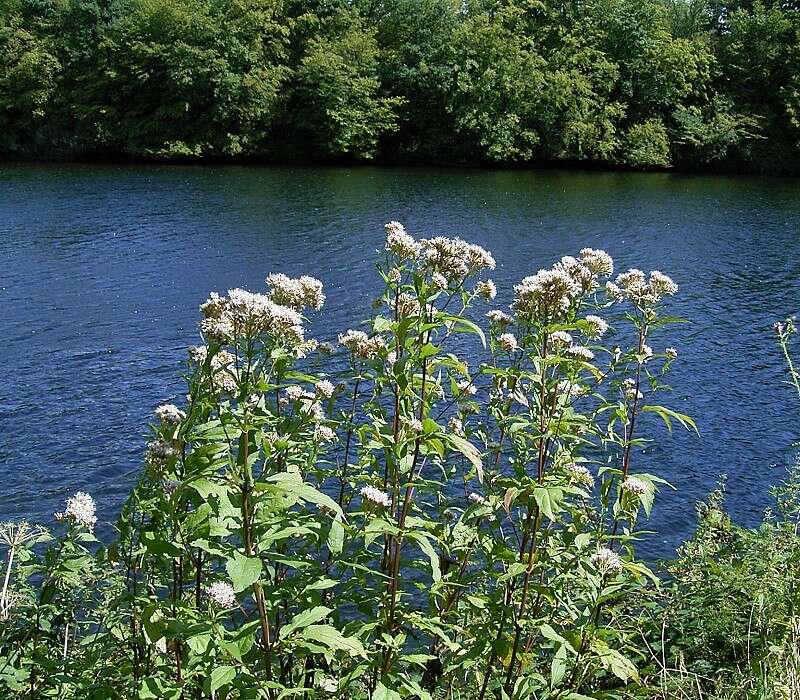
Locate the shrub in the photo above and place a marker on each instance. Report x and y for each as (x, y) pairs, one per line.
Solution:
(414, 526)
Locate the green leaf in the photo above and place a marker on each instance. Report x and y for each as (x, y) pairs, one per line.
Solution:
(220, 676)
(427, 547)
(336, 537)
(667, 414)
(469, 451)
(304, 619)
(243, 571)
(333, 639)
(549, 500)
(384, 693)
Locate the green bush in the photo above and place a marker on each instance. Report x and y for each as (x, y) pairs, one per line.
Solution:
(415, 526)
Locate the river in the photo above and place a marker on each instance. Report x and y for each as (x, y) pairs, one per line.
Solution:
(102, 269)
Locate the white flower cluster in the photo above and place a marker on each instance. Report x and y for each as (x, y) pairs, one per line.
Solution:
(159, 452)
(361, 345)
(322, 433)
(570, 389)
(80, 510)
(580, 474)
(243, 312)
(545, 293)
(298, 294)
(598, 261)
(635, 286)
(671, 353)
(486, 290)
(169, 414)
(477, 499)
(580, 353)
(456, 426)
(560, 338)
(222, 595)
(399, 242)
(635, 486)
(412, 425)
(466, 387)
(647, 352)
(455, 258)
(596, 327)
(501, 318)
(551, 292)
(507, 341)
(407, 305)
(295, 392)
(606, 561)
(376, 496)
(325, 388)
(629, 389)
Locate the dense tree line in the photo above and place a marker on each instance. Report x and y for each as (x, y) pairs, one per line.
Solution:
(641, 83)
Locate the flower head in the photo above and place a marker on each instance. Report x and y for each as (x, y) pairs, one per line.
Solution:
(580, 474)
(80, 510)
(399, 242)
(477, 499)
(606, 561)
(325, 388)
(499, 317)
(169, 414)
(486, 289)
(507, 341)
(222, 595)
(376, 496)
(596, 327)
(634, 485)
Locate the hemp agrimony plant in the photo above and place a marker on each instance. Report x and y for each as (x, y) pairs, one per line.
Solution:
(451, 515)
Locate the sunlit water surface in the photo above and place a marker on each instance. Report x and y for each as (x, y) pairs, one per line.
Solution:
(102, 269)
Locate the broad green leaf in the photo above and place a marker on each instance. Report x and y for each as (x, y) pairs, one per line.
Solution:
(469, 451)
(549, 500)
(333, 639)
(220, 676)
(243, 571)
(304, 619)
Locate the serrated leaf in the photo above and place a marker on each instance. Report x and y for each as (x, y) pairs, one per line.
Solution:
(243, 571)
(304, 619)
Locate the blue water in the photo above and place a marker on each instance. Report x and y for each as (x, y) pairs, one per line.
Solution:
(102, 269)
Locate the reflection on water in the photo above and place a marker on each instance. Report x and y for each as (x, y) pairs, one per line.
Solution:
(102, 269)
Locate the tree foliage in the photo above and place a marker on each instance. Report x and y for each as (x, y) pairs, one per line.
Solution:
(478, 81)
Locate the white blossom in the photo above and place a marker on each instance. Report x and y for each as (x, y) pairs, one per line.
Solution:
(629, 389)
(635, 485)
(477, 499)
(671, 353)
(499, 317)
(545, 293)
(412, 425)
(466, 387)
(80, 509)
(399, 242)
(580, 474)
(169, 414)
(606, 561)
(596, 327)
(560, 338)
(598, 261)
(222, 595)
(486, 289)
(376, 496)
(580, 353)
(322, 433)
(507, 341)
(325, 388)
(456, 426)
(302, 292)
